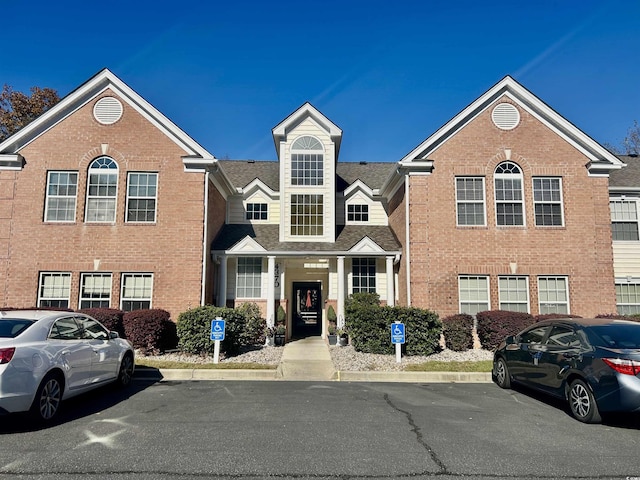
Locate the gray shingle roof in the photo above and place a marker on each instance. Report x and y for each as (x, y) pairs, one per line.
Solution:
(243, 172)
(268, 237)
(626, 177)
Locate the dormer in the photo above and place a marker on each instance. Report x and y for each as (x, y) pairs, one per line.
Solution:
(307, 144)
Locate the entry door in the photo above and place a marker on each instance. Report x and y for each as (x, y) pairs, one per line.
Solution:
(307, 303)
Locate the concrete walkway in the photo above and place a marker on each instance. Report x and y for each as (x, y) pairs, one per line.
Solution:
(306, 359)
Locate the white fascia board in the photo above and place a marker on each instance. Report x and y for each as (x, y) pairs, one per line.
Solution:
(315, 254)
(258, 184)
(11, 162)
(358, 185)
(247, 246)
(532, 104)
(366, 245)
(623, 190)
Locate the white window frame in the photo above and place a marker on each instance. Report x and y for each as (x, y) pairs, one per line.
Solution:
(147, 197)
(59, 291)
(502, 301)
(249, 282)
(141, 293)
(628, 307)
(361, 216)
(468, 296)
(307, 215)
(101, 203)
(52, 197)
(628, 215)
(251, 211)
(542, 202)
(366, 279)
(307, 162)
(89, 289)
(509, 171)
(553, 296)
(464, 201)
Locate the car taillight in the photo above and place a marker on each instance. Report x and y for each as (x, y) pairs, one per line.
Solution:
(628, 367)
(6, 354)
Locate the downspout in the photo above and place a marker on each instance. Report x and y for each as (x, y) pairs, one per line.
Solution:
(407, 237)
(205, 247)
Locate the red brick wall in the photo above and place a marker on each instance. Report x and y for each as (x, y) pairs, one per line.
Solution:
(581, 249)
(398, 223)
(171, 248)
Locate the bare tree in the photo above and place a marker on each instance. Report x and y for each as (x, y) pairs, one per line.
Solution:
(631, 143)
(18, 109)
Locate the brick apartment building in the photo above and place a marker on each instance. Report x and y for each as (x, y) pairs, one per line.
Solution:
(105, 202)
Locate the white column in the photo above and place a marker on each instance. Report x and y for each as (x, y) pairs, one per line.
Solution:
(341, 292)
(391, 294)
(222, 288)
(271, 290)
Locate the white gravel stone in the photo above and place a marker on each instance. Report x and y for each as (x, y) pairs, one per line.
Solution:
(345, 359)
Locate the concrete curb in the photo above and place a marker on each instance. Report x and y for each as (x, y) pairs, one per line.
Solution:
(264, 375)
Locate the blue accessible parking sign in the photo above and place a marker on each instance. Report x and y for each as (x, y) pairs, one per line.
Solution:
(397, 333)
(217, 329)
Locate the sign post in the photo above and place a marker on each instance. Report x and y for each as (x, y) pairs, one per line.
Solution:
(398, 338)
(217, 335)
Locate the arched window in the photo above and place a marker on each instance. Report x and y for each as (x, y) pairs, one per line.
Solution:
(307, 162)
(102, 190)
(509, 196)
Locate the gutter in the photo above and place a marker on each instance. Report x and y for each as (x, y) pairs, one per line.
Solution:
(205, 248)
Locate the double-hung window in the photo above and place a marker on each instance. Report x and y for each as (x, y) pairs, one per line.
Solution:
(553, 295)
(54, 289)
(624, 219)
(136, 291)
(628, 298)
(547, 201)
(509, 196)
(363, 275)
(249, 277)
(307, 215)
(513, 293)
(95, 290)
(473, 293)
(62, 190)
(470, 203)
(142, 195)
(102, 190)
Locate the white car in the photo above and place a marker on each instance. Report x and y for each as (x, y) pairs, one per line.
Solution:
(49, 356)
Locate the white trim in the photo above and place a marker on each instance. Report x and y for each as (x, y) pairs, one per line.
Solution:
(11, 162)
(246, 245)
(561, 202)
(488, 291)
(51, 274)
(109, 197)
(526, 279)
(566, 292)
(469, 202)
(407, 236)
(205, 248)
(94, 274)
(128, 197)
(47, 197)
(134, 299)
(366, 246)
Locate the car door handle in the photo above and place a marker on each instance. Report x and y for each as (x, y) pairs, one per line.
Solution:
(65, 352)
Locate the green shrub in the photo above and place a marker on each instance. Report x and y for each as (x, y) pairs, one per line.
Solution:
(150, 330)
(243, 326)
(111, 318)
(616, 316)
(495, 325)
(369, 326)
(458, 332)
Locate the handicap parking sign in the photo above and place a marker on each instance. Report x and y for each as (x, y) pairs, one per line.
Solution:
(217, 329)
(397, 333)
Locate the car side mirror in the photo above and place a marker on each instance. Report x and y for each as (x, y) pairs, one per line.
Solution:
(113, 335)
(510, 340)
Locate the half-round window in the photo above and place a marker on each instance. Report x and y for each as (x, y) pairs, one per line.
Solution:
(102, 190)
(307, 162)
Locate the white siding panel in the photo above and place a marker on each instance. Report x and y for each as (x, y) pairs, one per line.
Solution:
(626, 259)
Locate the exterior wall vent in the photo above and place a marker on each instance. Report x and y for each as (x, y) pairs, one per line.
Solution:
(107, 110)
(505, 116)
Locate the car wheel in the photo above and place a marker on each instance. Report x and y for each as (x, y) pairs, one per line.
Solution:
(48, 397)
(125, 375)
(582, 403)
(502, 374)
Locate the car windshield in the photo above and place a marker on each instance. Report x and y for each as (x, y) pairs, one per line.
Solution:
(618, 336)
(12, 327)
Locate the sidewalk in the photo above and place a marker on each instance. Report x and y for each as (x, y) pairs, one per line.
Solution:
(308, 359)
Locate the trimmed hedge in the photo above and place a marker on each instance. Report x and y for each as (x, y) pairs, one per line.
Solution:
(111, 318)
(552, 316)
(458, 332)
(150, 330)
(243, 327)
(495, 325)
(369, 326)
(616, 316)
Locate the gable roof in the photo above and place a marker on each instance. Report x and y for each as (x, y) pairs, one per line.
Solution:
(242, 172)
(196, 157)
(307, 110)
(601, 160)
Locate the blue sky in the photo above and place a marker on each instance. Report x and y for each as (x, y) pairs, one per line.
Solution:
(389, 73)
